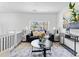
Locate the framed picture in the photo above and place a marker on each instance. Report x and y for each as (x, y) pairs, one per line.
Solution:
(39, 25)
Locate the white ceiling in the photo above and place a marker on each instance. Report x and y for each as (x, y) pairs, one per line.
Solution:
(35, 7)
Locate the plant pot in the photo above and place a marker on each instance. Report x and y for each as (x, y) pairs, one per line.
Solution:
(73, 25)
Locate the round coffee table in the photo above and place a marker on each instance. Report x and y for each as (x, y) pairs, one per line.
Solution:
(37, 44)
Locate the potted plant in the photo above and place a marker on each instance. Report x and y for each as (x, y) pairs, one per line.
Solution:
(41, 36)
(74, 20)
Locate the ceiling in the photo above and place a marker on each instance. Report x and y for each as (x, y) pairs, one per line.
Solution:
(33, 7)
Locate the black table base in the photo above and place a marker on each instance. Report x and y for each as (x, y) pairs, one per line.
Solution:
(43, 50)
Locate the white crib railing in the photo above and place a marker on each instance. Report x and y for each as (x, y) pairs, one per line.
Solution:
(8, 42)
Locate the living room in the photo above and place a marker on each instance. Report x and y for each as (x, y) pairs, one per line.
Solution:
(24, 24)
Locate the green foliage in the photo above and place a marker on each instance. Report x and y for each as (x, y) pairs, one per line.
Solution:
(71, 6)
(73, 10)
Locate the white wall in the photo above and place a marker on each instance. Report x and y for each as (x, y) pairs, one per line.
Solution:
(9, 22)
(18, 21)
(51, 18)
(60, 20)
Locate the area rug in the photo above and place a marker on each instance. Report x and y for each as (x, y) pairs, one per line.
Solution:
(27, 52)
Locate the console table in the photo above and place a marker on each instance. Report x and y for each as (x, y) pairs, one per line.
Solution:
(70, 42)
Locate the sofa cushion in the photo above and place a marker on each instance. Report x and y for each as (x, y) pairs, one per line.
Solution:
(38, 33)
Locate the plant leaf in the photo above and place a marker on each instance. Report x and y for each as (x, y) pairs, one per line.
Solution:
(73, 5)
(70, 5)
